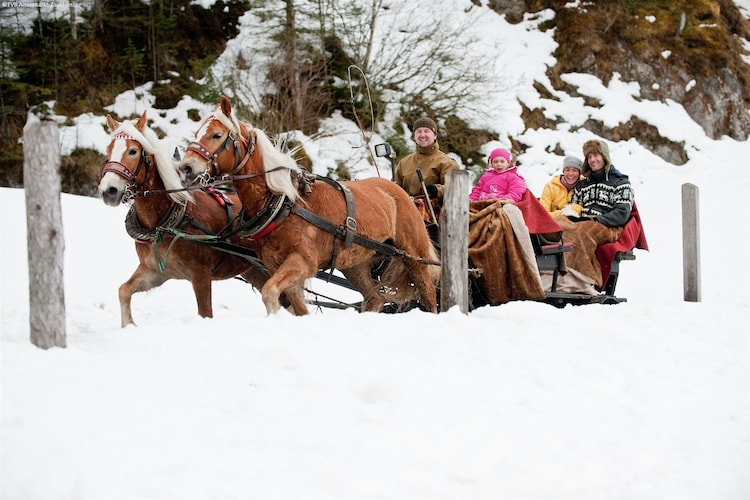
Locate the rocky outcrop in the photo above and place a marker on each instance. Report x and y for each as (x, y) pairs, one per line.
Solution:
(689, 52)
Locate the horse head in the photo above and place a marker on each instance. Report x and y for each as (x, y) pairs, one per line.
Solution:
(133, 152)
(224, 146)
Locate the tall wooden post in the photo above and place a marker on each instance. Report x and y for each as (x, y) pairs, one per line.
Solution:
(691, 270)
(454, 242)
(41, 180)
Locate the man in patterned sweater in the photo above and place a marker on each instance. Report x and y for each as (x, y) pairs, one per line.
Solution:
(605, 195)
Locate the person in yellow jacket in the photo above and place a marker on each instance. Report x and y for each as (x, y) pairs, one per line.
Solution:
(433, 163)
(557, 192)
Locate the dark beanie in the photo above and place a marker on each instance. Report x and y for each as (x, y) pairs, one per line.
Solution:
(425, 122)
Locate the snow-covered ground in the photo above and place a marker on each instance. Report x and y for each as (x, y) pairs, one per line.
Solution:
(646, 399)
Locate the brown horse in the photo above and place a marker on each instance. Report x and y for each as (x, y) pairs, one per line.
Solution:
(138, 167)
(276, 194)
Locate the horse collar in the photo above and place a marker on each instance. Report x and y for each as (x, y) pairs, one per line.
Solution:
(174, 218)
(273, 213)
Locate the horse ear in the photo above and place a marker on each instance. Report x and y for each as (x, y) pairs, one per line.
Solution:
(141, 123)
(111, 124)
(226, 106)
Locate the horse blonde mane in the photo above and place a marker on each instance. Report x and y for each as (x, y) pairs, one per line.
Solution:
(279, 181)
(165, 164)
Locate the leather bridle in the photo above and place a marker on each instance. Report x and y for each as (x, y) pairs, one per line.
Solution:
(122, 170)
(234, 140)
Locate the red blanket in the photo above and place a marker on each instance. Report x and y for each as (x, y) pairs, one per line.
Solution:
(632, 237)
(537, 219)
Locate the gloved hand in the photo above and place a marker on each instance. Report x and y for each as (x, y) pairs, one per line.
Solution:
(569, 211)
(432, 190)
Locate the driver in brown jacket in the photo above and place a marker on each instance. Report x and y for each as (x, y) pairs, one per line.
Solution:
(433, 163)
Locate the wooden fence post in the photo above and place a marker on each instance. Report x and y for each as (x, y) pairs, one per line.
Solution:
(454, 242)
(41, 180)
(691, 270)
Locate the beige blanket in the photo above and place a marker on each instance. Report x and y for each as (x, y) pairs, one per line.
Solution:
(500, 245)
(586, 236)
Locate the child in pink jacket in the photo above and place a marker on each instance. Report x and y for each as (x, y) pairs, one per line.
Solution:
(500, 180)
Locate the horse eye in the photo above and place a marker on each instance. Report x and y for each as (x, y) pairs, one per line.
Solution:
(217, 135)
(133, 152)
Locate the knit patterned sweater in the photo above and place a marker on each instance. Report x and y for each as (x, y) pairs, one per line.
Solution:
(605, 195)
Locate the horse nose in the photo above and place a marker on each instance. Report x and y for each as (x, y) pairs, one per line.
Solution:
(111, 196)
(186, 169)
(188, 173)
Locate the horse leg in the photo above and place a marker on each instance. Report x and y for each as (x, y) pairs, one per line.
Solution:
(359, 276)
(201, 281)
(256, 277)
(142, 280)
(294, 298)
(422, 279)
(288, 278)
(423, 275)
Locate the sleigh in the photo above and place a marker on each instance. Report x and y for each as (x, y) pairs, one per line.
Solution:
(560, 263)
(551, 259)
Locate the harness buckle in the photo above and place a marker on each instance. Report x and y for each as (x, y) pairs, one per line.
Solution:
(351, 224)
